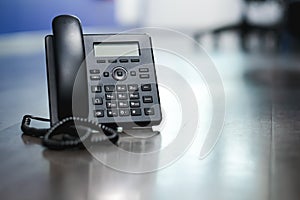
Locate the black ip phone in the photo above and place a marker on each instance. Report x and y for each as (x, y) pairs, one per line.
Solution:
(96, 82)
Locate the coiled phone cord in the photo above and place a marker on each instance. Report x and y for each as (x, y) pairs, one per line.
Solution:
(71, 136)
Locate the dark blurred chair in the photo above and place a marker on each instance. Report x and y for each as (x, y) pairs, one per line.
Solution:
(244, 28)
(292, 18)
(291, 31)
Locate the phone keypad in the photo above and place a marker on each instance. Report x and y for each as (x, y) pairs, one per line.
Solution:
(123, 100)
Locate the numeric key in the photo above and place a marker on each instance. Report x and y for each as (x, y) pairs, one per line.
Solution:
(133, 87)
(109, 88)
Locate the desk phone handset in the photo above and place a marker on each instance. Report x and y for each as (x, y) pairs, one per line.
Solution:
(96, 81)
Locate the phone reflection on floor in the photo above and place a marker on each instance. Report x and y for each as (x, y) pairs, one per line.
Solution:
(80, 174)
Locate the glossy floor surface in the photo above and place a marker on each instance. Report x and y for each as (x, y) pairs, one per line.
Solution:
(256, 157)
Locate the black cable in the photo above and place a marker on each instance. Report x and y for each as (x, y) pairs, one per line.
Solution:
(31, 131)
(73, 132)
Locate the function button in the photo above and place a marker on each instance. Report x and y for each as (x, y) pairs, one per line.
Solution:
(147, 99)
(96, 88)
(106, 74)
(135, 60)
(95, 77)
(124, 112)
(95, 71)
(143, 70)
(135, 104)
(121, 88)
(97, 100)
(112, 113)
(110, 96)
(149, 111)
(99, 113)
(146, 87)
(133, 73)
(111, 104)
(123, 60)
(133, 87)
(134, 95)
(119, 73)
(101, 61)
(144, 76)
(109, 88)
(112, 61)
(122, 96)
(123, 104)
(136, 112)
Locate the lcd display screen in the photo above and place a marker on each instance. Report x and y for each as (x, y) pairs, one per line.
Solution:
(116, 49)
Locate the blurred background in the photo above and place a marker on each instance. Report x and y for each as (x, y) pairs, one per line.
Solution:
(263, 23)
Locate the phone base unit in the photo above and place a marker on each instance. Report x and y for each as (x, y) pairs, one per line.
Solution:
(119, 85)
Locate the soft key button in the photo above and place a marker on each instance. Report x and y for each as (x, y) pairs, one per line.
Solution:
(123, 60)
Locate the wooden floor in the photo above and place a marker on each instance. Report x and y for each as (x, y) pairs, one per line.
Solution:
(257, 156)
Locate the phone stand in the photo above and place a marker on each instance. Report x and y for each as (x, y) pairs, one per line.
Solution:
(140, 132)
